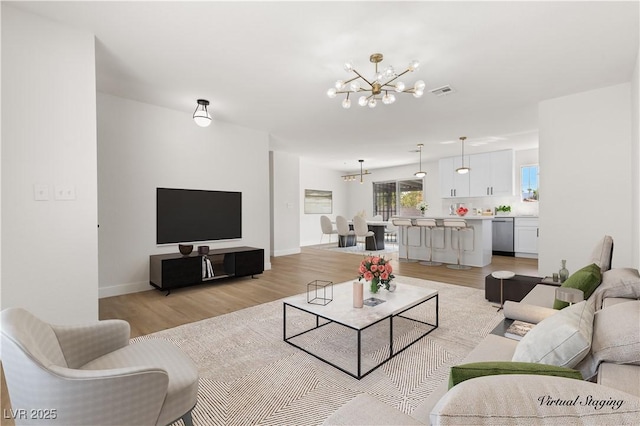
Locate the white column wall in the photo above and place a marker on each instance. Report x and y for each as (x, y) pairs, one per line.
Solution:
(585, 177)
(635, 168)
(315, 177)
(49, 248)
(142, 147)
(285, 201)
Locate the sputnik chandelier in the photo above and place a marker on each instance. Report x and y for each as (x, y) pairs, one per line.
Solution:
(380, 88)
(350, 178)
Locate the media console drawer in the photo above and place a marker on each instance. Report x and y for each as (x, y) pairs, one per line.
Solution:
(168, 271)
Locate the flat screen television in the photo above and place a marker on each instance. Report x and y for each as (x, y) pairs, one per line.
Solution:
(189, 215)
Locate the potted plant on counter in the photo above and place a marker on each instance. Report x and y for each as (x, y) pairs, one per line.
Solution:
(503, 210)
(423, 207)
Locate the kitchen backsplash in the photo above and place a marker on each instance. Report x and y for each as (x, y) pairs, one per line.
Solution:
(518, 207)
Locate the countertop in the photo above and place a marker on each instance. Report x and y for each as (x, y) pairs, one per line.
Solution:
(470, 217)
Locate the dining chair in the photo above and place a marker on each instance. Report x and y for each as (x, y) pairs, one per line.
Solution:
(362, 231)
(327, 227)
(344, 233)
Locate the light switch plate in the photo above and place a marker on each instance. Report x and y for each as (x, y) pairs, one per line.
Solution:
(41, 192)
(65, 192)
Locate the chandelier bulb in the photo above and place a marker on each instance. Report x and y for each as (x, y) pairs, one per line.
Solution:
(414, 65)
(373, 103)
(331, 93)
(348, 66)
(339, 84)
(399, 86)
(362, 101)
(418, 94)
(346, 103)
(419, 85)
(201, 115)
(354, 86)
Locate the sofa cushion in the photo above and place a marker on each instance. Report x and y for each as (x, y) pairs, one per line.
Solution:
(586, 279)
(603, 253)
(623, 377)
(460, 373)
(618, 283)
(534, 400)
(562, 339)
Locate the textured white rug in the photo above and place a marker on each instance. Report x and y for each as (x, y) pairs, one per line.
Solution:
(389, 248)
(249, 375)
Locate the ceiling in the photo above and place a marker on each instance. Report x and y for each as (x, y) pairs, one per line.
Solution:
(268, 65)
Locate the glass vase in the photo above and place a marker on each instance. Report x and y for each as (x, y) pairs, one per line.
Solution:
(563, 273)
(374, 286)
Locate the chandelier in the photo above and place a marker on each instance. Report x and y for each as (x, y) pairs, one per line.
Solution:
(350, 178)
(381, 87)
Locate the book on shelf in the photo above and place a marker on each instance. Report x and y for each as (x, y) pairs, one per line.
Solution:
(518, 329)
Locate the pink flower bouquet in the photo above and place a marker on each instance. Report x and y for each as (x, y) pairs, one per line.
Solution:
(377, 270)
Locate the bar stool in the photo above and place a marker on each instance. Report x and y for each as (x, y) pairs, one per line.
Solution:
(429, 224)
(460, 226)
(405, 225)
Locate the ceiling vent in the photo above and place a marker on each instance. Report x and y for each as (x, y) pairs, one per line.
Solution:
(442, 91)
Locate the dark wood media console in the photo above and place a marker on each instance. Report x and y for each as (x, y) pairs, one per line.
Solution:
(169, 271)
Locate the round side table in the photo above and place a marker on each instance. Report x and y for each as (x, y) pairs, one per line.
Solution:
(502, 275)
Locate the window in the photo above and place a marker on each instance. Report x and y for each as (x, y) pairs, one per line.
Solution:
(396, 198)
(529, 183)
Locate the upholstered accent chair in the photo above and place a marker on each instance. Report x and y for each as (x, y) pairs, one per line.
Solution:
(91, 375)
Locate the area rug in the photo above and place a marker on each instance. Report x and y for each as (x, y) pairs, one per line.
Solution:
(250, 376)
(389, 248)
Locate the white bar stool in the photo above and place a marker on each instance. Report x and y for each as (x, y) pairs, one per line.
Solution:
(429, 224)
(404, 225)
(460, 226)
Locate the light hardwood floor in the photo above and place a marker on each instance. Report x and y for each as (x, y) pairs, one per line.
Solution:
(151, 311)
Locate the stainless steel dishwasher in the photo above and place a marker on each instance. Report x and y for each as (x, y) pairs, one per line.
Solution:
(502, 236)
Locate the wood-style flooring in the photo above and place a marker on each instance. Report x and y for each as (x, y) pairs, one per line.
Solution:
(152, 311)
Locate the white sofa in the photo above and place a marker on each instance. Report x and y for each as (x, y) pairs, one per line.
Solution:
(514, 399)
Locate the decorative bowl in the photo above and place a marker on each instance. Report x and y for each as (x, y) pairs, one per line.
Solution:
(185, 249)
(462, 211)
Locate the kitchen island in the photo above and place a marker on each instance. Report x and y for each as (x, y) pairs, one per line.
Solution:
(477, 245)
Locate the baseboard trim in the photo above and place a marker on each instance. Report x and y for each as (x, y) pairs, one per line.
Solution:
(287, 252)
(118, 290)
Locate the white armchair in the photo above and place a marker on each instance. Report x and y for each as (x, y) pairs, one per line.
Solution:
(91, 375)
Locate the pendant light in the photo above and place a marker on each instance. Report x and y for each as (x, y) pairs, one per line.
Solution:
(201, 114)
(463, 170)
(420, 173)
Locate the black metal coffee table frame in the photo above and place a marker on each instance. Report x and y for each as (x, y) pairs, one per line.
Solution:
(359, 375)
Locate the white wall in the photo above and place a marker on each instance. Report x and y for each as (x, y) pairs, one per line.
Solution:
(585, 176)
(635, 148)
(285, 203)
(49, 248)
(142, 147)
(315, 177)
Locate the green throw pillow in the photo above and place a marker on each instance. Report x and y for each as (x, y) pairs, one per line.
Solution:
(460, 373)
(586, 279)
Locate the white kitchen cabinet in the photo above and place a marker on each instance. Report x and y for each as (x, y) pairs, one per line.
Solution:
(453, 184)
(491, 174)
(525, 237)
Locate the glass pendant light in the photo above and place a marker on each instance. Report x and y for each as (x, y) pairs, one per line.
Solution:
(463, 170)
(201, 114)
(420, 173)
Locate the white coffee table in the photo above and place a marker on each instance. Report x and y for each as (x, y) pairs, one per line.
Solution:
(340, 312)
